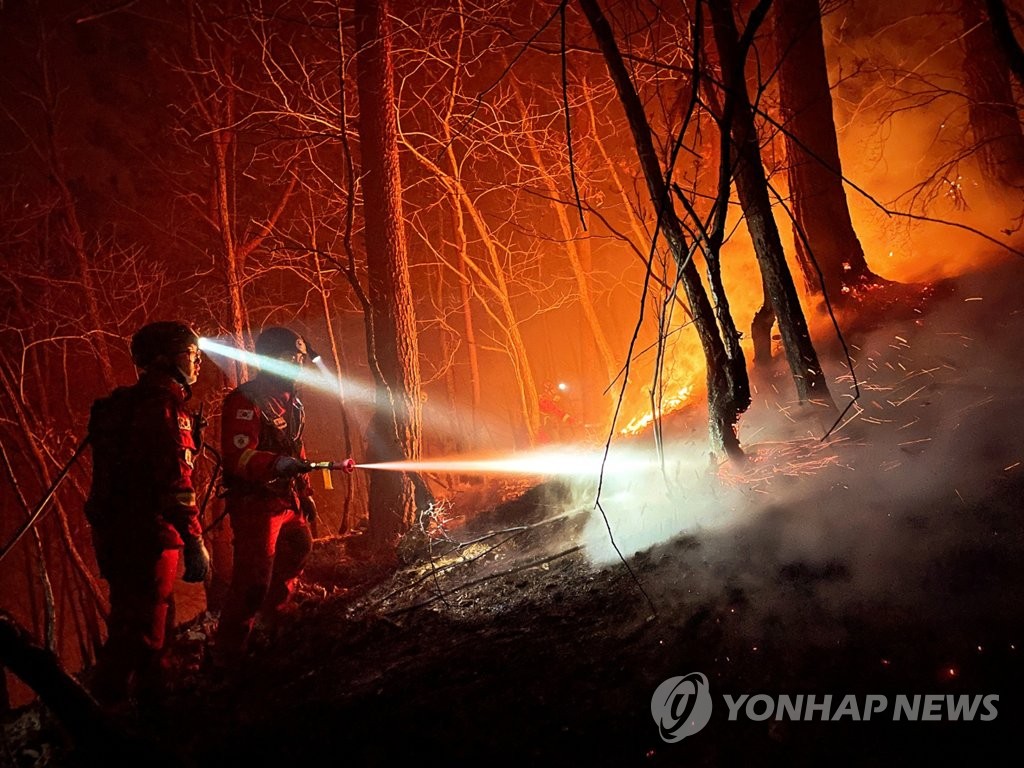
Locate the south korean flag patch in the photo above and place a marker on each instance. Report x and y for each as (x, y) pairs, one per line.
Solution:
(244, 414)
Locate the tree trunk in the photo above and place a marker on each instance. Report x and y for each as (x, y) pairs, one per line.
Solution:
(394, 432)
(752, 188)
(461, 242)
(75, 233)
(466, 303)
(569, 238)
(723, 410)
(501, 309)
(1003, 32)
(820, 212)
(35, 454)
(761, 328)
(49, 631)
(990, 108)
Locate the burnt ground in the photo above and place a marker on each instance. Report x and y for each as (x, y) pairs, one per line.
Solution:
(887, 560)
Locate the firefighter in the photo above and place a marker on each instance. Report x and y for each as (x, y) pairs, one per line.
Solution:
(142, 508)
(557, 424)
(269, 498)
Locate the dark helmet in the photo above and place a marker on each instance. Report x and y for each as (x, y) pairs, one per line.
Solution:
(276, 341)
(165, 338)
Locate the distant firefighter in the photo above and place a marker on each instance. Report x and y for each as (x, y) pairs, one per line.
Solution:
(269, 497)
(142, 507)
(557, 425)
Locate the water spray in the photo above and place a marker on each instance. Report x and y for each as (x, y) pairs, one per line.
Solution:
(570, 463)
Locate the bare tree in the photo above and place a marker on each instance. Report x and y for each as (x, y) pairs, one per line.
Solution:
(752, 188)
(827, 248)
(991, 109)
(394, 357)
(723, 406)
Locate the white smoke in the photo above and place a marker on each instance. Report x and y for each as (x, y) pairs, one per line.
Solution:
(907, 483)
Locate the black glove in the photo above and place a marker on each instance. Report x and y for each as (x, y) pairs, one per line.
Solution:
(289, 466)
(308, 508)
(197, 560)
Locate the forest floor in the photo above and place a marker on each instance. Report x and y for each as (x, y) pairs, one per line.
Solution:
(885, 560)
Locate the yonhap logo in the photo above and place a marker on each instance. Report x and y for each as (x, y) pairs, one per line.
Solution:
(681, 706)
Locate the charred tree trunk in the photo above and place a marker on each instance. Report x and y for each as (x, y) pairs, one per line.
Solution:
(723, 408)
(752, 188)
(1003, 32)
(761, 329)
(394, 432)
(993, 115)
(820, 211)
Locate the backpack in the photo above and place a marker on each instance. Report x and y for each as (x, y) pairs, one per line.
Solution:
(110, 422)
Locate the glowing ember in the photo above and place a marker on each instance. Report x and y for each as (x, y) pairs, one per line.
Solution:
(668, 405)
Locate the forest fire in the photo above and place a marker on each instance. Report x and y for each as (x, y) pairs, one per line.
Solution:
(667, 405)
(785, 230)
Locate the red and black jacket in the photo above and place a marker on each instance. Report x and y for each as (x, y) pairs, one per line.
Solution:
(262, 420)
(143, 453)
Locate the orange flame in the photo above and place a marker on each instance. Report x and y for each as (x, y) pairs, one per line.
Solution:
(668, 405)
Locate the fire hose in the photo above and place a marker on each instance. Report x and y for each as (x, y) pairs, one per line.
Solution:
(348, 466)
(41, 507)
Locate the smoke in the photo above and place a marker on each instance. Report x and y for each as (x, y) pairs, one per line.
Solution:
(654, 504)
(924, 473)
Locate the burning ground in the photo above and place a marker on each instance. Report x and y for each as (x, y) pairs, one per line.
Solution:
(883, 560)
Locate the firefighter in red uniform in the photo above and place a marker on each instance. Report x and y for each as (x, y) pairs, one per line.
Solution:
(142, 507)
(269, 497)
(556, 424)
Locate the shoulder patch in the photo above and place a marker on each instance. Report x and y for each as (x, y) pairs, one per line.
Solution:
(241, 441)
(245, 414)
(184, 422)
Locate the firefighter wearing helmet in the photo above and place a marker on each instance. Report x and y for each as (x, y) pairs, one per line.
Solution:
(269, 497)
(142, 507)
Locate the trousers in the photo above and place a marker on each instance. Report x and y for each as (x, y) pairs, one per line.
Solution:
(269, 553)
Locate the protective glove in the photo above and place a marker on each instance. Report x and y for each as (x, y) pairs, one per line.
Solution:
(289, 466)
(308, 508)
(197, 560)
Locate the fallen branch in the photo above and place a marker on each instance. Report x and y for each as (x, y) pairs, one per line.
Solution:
(90, 728)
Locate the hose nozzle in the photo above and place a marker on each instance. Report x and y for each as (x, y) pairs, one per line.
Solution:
(348, 465)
